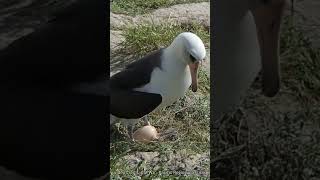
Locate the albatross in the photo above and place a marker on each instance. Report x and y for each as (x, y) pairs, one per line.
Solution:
(156, 80)
(246, 41)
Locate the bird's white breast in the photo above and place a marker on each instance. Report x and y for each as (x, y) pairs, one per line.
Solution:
(171, 83)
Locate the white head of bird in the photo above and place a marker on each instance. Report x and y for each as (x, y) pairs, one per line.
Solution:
(190, 49)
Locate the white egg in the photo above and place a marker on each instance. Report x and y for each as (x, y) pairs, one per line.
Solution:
(146, 134)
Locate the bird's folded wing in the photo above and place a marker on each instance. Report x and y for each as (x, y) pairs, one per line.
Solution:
(130, 104)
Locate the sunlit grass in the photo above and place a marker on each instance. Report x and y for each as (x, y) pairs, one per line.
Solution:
(142, 39)
(135, 7)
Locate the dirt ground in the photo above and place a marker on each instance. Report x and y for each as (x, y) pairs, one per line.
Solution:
(21, 17)
(309, 20)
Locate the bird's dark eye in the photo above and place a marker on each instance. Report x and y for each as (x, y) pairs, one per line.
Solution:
(192, 58)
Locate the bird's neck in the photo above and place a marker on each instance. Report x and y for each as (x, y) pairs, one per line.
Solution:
(173, 60)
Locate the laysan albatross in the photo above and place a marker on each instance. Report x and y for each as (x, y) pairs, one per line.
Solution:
(246, 41)
(157, 80)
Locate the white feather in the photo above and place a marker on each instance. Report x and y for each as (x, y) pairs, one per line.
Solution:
(171, 82)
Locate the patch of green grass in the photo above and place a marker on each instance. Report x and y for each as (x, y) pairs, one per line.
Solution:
(135, 7)
(142, 39)
(142, 171)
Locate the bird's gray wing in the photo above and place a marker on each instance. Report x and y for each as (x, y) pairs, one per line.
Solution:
(137, 73)
(131, 104)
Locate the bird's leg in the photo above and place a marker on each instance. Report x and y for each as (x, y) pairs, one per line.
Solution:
(130, 128)
(118, 128)
(145, 120)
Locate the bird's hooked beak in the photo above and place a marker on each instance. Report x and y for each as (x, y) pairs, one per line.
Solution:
(268, 20)
(194, 75)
